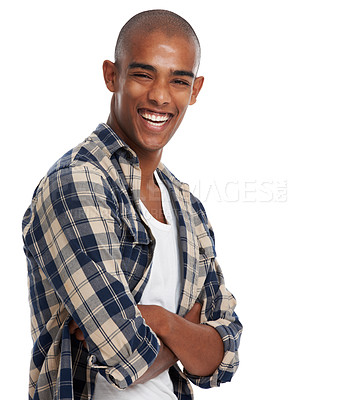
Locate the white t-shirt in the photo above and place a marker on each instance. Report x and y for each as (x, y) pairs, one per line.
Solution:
(163, 288)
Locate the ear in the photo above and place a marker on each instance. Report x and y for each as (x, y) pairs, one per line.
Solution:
(110, 74)
(197, 85)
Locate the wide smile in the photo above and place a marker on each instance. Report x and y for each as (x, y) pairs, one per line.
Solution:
(154, 119)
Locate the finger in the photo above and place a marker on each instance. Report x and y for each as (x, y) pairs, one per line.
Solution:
(79, 335)
(190, 316)
(85, 344)
(196, 310)
(72, 326)
(194, 314)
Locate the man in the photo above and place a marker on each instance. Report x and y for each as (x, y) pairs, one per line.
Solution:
(122, 272)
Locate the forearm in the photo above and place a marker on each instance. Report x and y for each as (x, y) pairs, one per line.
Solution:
(198, 347)
(165, 359)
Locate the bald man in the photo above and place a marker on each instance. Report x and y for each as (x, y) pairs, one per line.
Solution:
(122, 272)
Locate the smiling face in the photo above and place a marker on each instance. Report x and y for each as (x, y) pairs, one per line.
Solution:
(153, 85)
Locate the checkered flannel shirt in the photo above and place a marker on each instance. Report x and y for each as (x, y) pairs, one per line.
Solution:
(89, 253)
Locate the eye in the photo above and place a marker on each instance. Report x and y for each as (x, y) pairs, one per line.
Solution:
(181, 82)
(141, 75)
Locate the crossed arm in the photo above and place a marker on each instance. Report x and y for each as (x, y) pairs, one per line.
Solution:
(198, 347)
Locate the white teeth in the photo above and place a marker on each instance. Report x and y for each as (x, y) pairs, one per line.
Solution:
(155, 118)
(157, 123)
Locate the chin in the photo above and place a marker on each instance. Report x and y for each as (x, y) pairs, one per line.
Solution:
(154, 143)
(153, 146)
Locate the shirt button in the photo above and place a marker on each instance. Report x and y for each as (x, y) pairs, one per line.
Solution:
(92, 359)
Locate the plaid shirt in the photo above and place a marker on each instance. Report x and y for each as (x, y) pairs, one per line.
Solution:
(89, 253)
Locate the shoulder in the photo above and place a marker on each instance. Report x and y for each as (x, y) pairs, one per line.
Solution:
(81, 166)
(88, 153)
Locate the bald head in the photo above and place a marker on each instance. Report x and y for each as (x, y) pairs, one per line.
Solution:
(147, 22)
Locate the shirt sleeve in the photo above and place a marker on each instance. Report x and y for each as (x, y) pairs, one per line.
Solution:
(75, 236)
(218, 306)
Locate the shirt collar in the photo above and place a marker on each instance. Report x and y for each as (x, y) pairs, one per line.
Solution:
(114, 144)
(165, 172)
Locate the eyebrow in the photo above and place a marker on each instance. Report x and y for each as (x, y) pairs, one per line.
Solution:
(151, 68)
(184, 73)
(142, 66)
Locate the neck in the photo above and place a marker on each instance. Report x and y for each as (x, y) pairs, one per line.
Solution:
(148, 160)
(148, 164)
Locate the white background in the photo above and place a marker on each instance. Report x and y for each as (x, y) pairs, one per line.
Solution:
(259, 148)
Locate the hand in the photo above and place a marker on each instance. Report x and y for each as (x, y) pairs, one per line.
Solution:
(165, 359)
(194, 313)
(75, 330)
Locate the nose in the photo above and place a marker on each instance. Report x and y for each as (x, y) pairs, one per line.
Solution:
(159, 94)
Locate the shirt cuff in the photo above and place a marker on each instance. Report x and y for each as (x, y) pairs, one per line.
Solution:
(131, 367)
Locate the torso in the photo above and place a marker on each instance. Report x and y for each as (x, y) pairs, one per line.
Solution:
(163, 289)
(150, 195)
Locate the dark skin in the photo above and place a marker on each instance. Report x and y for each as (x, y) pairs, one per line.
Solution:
(166, 358)
(157, 76)
(153, 84)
